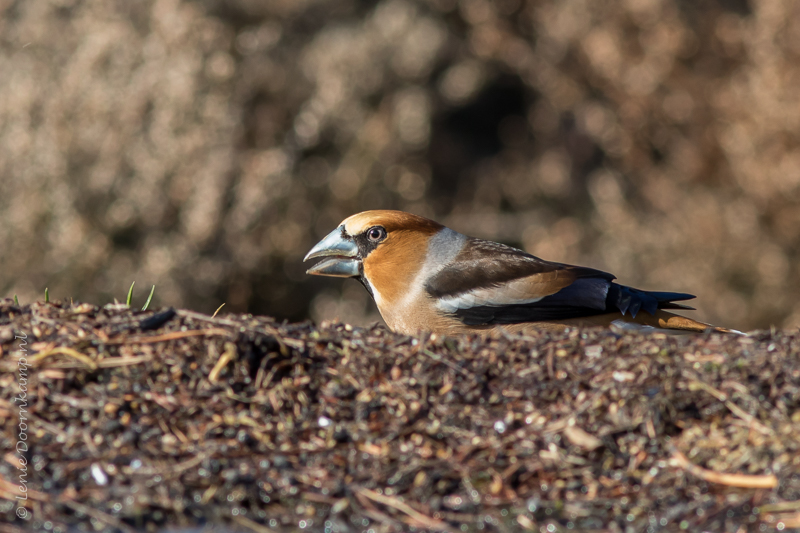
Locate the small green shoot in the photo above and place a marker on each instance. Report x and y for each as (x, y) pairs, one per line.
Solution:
(149, 298)
(130, 295)
(16, 300)
(217, 311)
(46, 296)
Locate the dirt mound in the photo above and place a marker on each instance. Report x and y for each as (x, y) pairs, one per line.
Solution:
(148, 420)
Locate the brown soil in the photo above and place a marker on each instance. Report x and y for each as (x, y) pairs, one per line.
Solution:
(151, 420)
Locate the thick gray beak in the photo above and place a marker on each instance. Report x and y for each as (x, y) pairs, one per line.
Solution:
(344, 262)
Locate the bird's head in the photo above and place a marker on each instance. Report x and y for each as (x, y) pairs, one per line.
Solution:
(383, 247)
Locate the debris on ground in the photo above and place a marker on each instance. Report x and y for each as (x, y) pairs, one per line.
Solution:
(146, 421)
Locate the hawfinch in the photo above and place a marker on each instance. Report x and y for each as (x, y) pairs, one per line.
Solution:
(426, 277)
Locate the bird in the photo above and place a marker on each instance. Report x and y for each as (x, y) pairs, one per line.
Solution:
(425, 277)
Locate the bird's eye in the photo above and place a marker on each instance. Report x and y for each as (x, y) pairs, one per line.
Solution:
(376, 234)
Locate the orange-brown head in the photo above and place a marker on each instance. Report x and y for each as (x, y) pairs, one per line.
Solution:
(385, 250)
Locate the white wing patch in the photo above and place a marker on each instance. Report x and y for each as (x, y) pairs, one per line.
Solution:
(515, 292)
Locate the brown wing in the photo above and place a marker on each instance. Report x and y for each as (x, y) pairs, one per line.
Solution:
(490, 283)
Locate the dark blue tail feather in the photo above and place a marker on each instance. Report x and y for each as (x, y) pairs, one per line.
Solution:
(627, 299)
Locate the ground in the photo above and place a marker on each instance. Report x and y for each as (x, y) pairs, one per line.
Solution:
(145, 421)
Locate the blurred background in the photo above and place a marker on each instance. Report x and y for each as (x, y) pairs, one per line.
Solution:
(205, 146)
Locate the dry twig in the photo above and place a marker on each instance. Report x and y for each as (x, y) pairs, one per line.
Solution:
(423, 520)
(746, 481)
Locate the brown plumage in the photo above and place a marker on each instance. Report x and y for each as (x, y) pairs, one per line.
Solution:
(426, 277)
